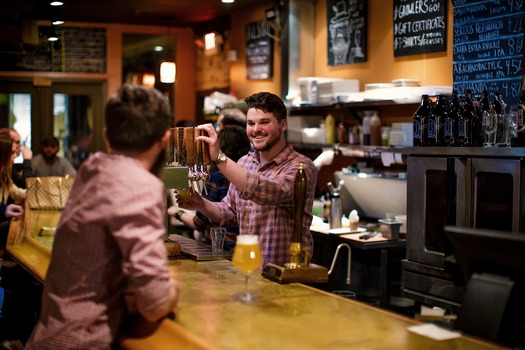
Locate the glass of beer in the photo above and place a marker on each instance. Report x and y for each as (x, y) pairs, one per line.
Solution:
(247, 257)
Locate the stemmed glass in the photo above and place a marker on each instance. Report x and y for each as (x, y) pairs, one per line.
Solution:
(247, 257)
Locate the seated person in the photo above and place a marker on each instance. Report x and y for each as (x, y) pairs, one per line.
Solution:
(47, 163)
(234, 143)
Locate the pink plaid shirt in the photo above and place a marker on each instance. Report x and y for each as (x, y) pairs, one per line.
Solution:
(265, 206)
(109, 240)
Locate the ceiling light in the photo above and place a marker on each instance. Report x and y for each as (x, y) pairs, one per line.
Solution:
(56, 3)
(158, 48)
(228, 1)
(52, 34)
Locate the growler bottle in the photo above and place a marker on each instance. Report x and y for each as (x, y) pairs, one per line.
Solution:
(437, 118)
(521, 116)
(450, 122)
(476, 136)
(420, 122)
(464, 121)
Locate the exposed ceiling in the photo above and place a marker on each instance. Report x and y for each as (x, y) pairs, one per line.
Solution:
(177, 13)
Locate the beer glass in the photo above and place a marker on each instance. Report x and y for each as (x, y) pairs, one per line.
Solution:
(489, 126)
(246, 257)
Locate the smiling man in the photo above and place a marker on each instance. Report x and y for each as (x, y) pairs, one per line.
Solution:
(260, 199)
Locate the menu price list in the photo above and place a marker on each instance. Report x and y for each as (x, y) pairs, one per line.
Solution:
(488, 47)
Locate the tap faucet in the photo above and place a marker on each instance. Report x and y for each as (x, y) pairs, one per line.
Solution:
(348, 263)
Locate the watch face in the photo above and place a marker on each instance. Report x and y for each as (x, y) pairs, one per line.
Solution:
(220, 158)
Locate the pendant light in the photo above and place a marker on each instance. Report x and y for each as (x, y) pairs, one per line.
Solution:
(168, 71)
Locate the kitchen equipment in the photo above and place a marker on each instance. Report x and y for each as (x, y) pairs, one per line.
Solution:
(373, 195)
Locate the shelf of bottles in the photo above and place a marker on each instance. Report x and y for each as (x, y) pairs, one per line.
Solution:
(469, 121)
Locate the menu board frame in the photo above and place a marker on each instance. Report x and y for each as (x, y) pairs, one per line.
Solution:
(420, 27)
(489, 47)
(347, 31)
(259, 51)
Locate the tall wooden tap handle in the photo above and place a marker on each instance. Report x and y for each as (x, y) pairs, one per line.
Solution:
(205, 149)
(189, 145)
(179, 145)
(299, 200)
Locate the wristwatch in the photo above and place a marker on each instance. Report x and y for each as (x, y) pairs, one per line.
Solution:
(221, 158)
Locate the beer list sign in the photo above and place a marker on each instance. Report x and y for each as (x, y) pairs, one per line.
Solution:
(488, 47)
(259, 51)
(419, 26)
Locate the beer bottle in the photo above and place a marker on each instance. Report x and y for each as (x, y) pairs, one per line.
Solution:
(464, 121)
(450, 123)
(441, 114)
(521, 117)
(420, 121)
(476, 135)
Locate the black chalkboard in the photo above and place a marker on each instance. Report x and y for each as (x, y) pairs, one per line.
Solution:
(259, 51)
(420, 26)
(347, 31)
(488, 47)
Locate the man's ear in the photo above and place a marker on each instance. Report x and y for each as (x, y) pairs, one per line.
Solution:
(165, 139)
(284, 124)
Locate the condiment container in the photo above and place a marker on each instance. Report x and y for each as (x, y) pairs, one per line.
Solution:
(390, 228)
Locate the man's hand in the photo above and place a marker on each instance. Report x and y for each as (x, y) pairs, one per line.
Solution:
(26, 152)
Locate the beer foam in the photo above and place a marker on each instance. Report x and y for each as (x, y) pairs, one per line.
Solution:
(247, 239)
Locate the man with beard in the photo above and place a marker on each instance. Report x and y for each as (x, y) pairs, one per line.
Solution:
(260, 199)
(47, 163)
(109, 262)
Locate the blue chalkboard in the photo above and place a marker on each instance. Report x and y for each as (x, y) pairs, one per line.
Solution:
(488, 47)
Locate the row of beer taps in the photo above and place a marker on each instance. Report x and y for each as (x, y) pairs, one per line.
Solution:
(187, 151)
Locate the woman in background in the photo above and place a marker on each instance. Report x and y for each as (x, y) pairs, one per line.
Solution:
(11, 196)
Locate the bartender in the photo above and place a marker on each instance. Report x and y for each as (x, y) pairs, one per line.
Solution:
(260, 199)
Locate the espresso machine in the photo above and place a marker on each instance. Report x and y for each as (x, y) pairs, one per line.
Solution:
(298, 269)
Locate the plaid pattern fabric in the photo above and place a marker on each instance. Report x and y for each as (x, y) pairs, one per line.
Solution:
(109, 241)
(265, 205)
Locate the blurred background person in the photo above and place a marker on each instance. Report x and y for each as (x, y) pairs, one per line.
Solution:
(234, 142)
(11, 196)
(229, 117)
(19, 171)
(47, 163)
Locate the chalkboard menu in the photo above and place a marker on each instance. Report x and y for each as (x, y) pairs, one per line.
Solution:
(419, 26)
(347, 31)
(78, 50)
(488, 47)
(259, 51)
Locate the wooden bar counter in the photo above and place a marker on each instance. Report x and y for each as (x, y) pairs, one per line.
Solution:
(292, 316)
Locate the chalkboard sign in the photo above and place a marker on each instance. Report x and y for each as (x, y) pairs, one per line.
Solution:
(259, 51)
(78, 50)
(488, 47)
(347, 31)
(419, 26)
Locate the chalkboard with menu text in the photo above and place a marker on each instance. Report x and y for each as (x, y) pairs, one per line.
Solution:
(420, 26)
(259, 51)
(347, 31)
(488, 47)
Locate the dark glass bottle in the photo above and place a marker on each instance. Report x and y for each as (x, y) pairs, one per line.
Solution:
(521, 116)
(464, 121)
(450, 122)
(342, 131)
(438, 116)
(420, 121)
(476, 136)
